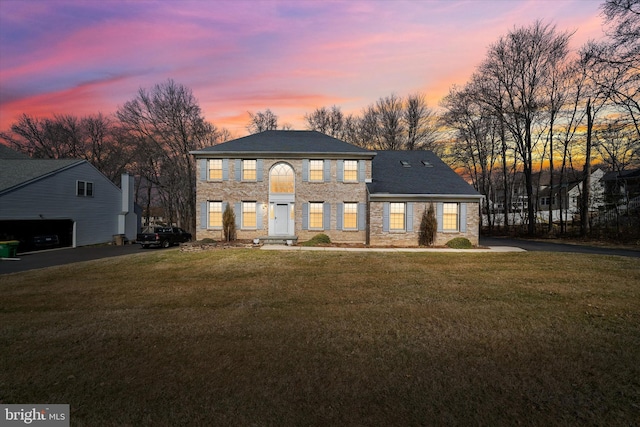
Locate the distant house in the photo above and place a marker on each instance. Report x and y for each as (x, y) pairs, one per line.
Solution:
(568, 196)
(292, 185)
(61, 203)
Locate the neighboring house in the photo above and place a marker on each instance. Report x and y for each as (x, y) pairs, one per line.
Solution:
(155, 216)
(68, 201)
(569, 195)
(292, 185)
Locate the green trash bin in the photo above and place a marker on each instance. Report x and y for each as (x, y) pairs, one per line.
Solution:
(9, 248)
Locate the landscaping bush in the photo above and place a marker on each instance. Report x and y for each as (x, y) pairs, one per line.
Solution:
(318, 239)
(428, 227)
(229, 223)
(459, 243)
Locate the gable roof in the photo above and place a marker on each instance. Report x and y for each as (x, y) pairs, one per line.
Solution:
(289, 142)
(419, 173)
(17, 172)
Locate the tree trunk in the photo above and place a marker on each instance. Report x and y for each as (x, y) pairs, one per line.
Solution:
(586, 180)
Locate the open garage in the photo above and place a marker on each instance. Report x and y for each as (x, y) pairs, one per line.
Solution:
(35, 235)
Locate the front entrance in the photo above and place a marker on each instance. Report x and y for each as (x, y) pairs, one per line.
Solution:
(281, 200)
(281, 220)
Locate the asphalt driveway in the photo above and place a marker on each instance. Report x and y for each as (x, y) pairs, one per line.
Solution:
(536, 245)
(50, 258)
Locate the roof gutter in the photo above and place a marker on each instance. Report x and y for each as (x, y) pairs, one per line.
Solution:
(282, 154)
(386, 197)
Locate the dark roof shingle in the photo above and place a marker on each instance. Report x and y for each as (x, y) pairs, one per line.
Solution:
(16, 172)
(284, 141)
(415, 172)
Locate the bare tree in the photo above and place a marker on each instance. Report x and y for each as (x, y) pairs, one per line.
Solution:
(476, 139)
(262, 121)
(94, 138)
(616, 146)
(521, 62)
(327, 121)
(167, 123)
(390, 121)
(420, 124)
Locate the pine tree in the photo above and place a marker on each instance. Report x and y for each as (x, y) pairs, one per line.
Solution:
(229, 223)
(428, 227)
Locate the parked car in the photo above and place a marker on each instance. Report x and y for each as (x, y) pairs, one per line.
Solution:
(162, 237)
(47, 241)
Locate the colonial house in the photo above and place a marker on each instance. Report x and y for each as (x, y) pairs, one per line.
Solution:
(292, 185)
(47, 203)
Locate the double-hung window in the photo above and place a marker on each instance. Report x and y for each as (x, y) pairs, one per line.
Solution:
(215, 169)
(316, 215)
(84, 188)
(249, 215)
(316, 170)
(397, 216)
(249, 170)
(350, 216)
(449, 217)
(350, 171)
(215, 215)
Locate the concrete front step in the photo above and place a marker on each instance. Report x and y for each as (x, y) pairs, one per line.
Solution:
(279, 240)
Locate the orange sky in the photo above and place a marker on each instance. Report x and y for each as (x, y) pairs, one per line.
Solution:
(79, 58)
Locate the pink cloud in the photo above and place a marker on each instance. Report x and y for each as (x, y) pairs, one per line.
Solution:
(244, 56)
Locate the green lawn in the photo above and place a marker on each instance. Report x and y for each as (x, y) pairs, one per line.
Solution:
(249, 337)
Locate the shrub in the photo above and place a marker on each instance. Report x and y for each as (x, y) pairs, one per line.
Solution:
(428, 227)
(229, 223)
(318, 239)
(459, 243)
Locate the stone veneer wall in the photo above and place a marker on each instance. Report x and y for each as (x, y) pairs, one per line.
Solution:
(410, 239)
(332, 192)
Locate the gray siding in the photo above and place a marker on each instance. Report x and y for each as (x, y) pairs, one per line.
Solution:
(54, 197)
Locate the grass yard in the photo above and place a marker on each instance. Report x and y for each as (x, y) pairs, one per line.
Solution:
(249, 337)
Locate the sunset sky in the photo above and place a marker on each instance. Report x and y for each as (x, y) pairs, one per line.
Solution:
(85, 57)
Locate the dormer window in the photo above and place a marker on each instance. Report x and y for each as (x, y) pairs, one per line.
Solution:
(405, 164)
(426, 164)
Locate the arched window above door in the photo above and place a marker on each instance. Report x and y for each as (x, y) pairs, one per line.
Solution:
(281, 179)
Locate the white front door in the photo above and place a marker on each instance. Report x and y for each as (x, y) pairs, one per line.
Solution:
(281, 220)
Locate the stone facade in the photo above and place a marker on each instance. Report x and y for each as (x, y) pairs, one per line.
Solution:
(332, 192)
(379, 237)
(382, 205)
